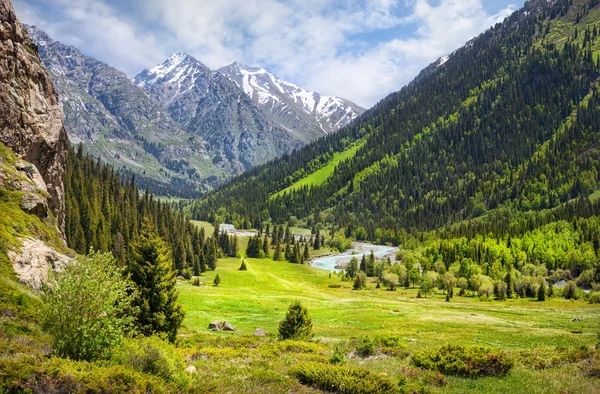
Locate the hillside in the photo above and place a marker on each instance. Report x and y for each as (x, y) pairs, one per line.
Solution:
(507, 121)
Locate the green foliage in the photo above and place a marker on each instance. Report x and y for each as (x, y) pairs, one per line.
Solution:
(297, 323)
(570, 290)
(217, 280)
(364, 346)
(150, 355)
(86, 308)
(541, 295)
(464, 361)
(343, 379)
(360, 281)
(150, 268)
(243, 267)
(338, 356)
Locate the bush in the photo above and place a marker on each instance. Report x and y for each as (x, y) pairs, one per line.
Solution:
(360, 282)
(85, 307)
(150, 355)
(297, 323)
(196, 282)
(570, 290)
(338, 356)
(365, 347)
(594, 298)
(343, 379)
(464, 361)
(187, 274)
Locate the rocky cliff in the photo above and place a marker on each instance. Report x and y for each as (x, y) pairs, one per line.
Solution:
(31, 121)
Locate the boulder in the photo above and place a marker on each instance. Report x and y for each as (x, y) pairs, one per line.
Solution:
(226, 326)
(215, 326)
(35, 261)
(191, 370)
(259, 332)
(35, 205)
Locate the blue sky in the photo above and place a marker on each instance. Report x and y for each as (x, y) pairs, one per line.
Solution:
(361, 49)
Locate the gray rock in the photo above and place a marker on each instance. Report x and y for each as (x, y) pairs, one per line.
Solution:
(34, 261)
(35, 205)
(25, 167)
(259, 332)
(215, 326)
(226, 326)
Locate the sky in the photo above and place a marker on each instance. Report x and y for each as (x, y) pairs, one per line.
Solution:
(360, 50)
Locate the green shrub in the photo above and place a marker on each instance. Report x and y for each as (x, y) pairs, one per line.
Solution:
(464, 361)
(594, 298)
(343, 379)
(364, 346)
(85, 307)
(338, 356)
(150, 355)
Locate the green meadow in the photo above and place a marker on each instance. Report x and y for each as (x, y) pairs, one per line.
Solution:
(531, 332)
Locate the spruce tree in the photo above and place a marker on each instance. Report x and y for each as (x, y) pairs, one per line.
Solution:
(509, 284)
(150, 267)
(297, 324)
(217, 280)
(277, 253)
(317, 244)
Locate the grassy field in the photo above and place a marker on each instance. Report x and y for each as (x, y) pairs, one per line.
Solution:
(259, 297)
(321, 175)
(208, 228)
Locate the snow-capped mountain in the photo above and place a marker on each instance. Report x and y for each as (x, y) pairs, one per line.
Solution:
(119, 122)
(289, 105)
(208, 104)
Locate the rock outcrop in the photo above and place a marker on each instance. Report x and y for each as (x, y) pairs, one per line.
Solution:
(34, 261)
(31, 121)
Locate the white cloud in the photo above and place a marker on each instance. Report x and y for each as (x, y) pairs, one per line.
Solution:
(310, 42)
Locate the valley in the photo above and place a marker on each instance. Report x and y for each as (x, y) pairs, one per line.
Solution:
(202, 229)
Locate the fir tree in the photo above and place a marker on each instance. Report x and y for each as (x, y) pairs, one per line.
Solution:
(217, 280)
(150, 268)
(297, 324)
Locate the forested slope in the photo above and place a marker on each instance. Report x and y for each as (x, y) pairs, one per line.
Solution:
(509, 121)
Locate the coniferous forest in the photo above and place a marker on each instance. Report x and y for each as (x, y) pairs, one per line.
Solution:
(106, 213)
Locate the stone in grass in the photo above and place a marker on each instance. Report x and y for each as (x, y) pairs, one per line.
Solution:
(215, 326)
(226, 326)
(191, 370)
(259, 332)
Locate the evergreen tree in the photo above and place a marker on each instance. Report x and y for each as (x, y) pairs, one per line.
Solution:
(277, 253)
(509, 284)
(317, 244)
(306, 255)
(243, 267)
(297, 324)
(217, 280)
(150, 267)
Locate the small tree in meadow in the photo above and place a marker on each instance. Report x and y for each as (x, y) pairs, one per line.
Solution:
(243, 267)
(297, 323)
(360, 282)
(217, 280)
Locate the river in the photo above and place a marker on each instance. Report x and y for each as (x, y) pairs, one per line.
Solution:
(358, 249)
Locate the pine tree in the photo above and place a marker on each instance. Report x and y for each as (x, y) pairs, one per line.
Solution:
(217, 280)
(317, 244)
(265, 245)
(306, 255)
(363, 264)
(243, 267)
(277, 253)
(297, 324)
(150, 266)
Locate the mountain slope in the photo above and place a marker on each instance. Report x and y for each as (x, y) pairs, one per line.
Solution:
(289, 105)
(208, 105)
(119, 122)
(465, 136)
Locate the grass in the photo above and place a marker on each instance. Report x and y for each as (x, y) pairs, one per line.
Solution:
(321, 175)
(259, 297)
(268, 287)
(209, 229)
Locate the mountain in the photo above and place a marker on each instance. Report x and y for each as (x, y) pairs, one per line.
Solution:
(289, 105)
(210, 106)
(507, 122)
(119, 122)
